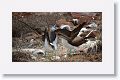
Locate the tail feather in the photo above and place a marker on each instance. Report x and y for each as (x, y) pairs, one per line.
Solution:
(88, 35)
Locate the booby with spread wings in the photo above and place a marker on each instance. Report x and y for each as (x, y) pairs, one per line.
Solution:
(71, 36)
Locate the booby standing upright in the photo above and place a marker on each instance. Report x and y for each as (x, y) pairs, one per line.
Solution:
(53, 37)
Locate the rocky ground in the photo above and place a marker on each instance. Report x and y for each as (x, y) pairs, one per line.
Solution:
(24, 26)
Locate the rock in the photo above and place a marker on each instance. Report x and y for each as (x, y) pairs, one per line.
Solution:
(55, 58)
(91, 46)
(39, 51)
(33, 57)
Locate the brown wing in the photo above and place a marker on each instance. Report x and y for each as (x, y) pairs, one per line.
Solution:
(64, 33)
(77, 41)
(75, 32)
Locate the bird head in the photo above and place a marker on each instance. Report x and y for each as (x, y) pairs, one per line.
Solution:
(53, 27)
